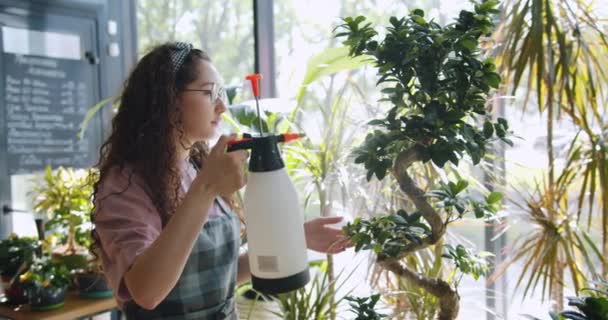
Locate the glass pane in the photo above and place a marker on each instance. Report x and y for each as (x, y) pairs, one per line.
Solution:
(305, 29)
(224, 29)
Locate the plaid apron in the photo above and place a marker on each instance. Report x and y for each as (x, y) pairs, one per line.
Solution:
(205, 290)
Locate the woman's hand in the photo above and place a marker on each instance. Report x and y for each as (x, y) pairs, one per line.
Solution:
(223, 172)
(323, 238)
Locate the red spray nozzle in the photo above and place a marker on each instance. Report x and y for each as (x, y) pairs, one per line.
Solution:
(286, 137)
(255, 83)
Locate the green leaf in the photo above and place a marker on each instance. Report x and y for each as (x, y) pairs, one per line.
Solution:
(469, 43)
(479, 212)
(328, 62)
(488, 129)
(503, 122)
(398, 219)
(418, 12)
(90, 114)
(369, 175)
(492, 79)
(419, 20)
(380, 172)
(494, 197)
(487, 5)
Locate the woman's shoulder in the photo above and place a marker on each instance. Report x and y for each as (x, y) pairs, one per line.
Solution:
(119, 177)
(122, 182)
(121, 194)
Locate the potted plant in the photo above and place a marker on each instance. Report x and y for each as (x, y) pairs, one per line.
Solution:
(438, 89)
(14, 252)
(64, 195)
(15, 255)
(91, 282)
(46, 282)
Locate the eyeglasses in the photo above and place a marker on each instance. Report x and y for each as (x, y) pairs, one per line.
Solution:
(216, 94)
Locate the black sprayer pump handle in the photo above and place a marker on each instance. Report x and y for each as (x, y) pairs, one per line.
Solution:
(240, 144)
(247, 142)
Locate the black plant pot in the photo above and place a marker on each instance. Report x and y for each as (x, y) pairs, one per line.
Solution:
(46, 298)
(93, 285)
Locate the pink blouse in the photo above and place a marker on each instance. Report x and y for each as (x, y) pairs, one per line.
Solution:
(127, 223)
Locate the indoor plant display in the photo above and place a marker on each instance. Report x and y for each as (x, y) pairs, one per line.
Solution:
(46, 282)
(438, 89)
(64, 195)
(14, 252)
(15, 255)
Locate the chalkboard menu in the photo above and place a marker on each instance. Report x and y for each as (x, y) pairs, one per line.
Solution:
(45, 101)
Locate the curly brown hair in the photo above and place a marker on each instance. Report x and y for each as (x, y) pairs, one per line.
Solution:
(143, 128)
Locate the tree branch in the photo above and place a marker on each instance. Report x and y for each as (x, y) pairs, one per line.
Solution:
(449, 300)
(411, 189)
(448, 297)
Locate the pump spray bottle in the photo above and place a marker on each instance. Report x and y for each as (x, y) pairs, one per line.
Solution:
(275, 223)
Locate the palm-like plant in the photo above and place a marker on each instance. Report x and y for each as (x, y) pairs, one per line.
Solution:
(557, 241)
(557, 51)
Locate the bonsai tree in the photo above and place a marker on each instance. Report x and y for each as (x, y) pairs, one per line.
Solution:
(64, 195)
(438, 89)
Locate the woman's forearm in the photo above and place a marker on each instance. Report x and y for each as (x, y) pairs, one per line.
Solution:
(156, 271)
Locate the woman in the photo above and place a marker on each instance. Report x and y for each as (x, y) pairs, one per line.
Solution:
(165, 223)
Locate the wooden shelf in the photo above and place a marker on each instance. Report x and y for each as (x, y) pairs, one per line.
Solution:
(75, 307)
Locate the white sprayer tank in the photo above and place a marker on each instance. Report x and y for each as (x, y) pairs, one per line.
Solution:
(274, 222)
(275, 231)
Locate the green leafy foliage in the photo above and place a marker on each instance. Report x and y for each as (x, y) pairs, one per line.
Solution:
(315, 301)
(591, 306)
(247, 116)
(452, 199)
(364, 307)
(64, 195)
(476, 265)
(16, 251)
(388, 235)
(46, 272)
(437, 84)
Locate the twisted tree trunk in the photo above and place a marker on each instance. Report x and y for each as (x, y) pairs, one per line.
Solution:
(449, 300)
(447, 296)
